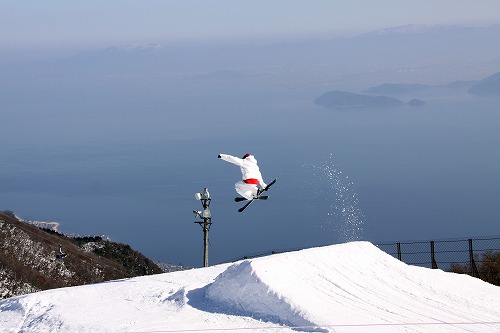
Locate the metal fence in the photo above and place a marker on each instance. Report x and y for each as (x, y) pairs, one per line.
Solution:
(444, 253)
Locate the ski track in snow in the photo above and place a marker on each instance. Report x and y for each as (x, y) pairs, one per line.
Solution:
(349, 287)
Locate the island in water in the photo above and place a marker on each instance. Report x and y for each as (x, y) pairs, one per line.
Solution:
(341, 99)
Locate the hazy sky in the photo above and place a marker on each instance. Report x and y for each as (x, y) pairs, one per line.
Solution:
(55, 23)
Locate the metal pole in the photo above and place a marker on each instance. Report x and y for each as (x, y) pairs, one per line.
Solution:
(206, 215)
(473, 267)
(471, 258)
(206, 227)
(399, 251)
(205, 236)
(433, 258)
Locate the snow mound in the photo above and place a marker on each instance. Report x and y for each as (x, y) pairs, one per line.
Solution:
(350, 287)
(343, 284)
(244, 292)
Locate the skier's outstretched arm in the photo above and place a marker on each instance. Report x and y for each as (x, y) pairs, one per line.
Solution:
(231, 159)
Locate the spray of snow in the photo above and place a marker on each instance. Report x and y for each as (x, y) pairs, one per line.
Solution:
(341, 213)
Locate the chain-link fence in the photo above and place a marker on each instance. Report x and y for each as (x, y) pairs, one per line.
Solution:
(466, 255)
(479, 257)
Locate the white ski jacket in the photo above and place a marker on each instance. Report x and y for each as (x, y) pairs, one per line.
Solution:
(250, 171)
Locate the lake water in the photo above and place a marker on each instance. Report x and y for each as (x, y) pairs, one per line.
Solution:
(124, 159)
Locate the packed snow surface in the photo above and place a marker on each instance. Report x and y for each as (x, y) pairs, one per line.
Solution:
(353, 287)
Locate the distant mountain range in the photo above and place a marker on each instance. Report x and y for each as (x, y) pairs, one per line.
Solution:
(489, 86)
(396, 46)
(423, 29)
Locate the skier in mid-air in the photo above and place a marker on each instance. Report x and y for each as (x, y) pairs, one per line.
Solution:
(248, 187)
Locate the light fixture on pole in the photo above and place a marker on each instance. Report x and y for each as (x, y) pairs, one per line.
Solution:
(204, 214)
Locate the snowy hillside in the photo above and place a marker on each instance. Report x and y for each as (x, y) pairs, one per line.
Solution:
(30, 260)
(352, 287)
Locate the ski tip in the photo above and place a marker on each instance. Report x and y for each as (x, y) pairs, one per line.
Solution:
(269, 185)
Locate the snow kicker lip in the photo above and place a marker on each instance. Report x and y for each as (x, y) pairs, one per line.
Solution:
(239, 290)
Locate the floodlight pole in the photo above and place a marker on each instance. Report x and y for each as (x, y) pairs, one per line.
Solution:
(207, 221)
(206, 228)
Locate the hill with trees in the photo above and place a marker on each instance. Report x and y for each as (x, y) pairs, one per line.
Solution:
(34, 259)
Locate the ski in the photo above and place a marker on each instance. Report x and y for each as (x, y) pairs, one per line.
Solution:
(246, 205)
(258, 196)
(262, 197)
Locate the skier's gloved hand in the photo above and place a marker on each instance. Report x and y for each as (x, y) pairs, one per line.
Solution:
(263, 185)
(218, 156)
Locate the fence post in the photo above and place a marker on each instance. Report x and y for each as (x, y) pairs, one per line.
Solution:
(473, 268)
(399, 251)
(433, 257)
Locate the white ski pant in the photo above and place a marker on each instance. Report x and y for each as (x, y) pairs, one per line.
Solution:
(247, 191)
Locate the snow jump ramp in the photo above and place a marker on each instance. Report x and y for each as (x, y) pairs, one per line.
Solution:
(351, 283)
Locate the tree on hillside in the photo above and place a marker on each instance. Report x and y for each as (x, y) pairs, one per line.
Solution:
(488, 266)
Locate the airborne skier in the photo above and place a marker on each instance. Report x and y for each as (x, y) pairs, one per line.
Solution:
(250, 173)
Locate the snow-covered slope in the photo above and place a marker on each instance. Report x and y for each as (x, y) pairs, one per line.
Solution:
(340, 288)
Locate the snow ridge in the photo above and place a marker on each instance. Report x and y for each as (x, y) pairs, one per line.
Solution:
(242, 289)
(340, 288)
(356, 277)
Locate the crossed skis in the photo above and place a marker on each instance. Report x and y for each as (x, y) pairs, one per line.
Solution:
(258, 197)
